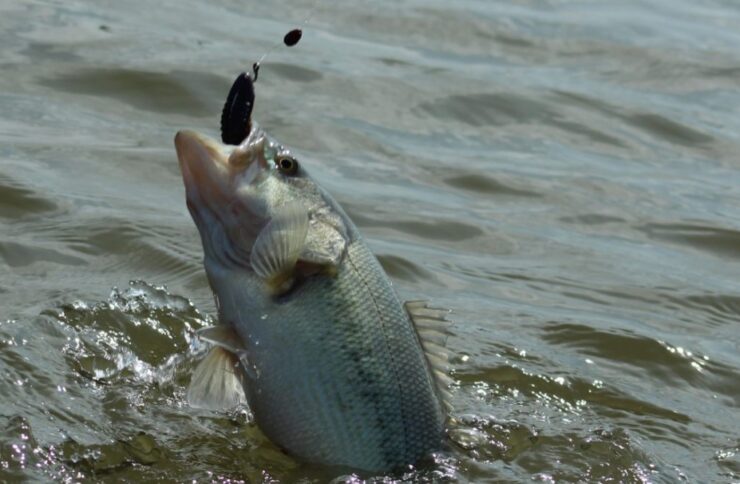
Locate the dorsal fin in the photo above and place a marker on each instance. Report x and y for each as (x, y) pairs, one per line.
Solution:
(433, 329)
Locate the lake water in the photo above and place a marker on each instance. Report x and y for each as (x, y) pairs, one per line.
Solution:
(564, 175)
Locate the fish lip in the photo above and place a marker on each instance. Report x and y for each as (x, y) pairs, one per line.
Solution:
(251, 151)
(204, 167)
(213, 174)
(186, 141)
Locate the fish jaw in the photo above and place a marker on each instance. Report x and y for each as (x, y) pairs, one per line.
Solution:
(214, 175)
(212, 170)
(204, 168)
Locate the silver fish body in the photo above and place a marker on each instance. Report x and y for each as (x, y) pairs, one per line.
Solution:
(339, 376)
(332, 363)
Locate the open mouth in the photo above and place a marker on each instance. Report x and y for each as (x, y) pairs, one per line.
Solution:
(204, 167)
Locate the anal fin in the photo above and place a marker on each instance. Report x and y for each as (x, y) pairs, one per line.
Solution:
(432, 327)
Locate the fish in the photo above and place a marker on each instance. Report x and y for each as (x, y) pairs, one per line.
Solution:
(311, 334)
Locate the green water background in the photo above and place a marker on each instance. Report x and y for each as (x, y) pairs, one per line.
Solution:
(564, 175)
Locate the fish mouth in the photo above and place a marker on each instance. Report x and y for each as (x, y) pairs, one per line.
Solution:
(204, 166)
(213, 174)
(210, 169)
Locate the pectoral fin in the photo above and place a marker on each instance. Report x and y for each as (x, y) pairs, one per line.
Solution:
(276, 250)
(433, 330)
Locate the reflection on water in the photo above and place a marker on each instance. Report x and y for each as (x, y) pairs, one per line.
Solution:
(564, 175)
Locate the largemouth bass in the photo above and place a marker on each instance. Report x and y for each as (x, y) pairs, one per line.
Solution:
(311, 334)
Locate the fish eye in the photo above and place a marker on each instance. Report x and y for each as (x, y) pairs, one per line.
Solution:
(287, 165)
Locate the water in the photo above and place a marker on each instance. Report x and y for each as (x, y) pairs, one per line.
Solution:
(562, 174)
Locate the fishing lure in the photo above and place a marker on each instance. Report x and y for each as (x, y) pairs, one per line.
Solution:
(237, 111)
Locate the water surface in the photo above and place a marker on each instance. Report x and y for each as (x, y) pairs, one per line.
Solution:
(564, 175)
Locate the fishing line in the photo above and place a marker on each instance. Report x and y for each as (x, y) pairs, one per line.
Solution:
(236, 116)
(290, 39)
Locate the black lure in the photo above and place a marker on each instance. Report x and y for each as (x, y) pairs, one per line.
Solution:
(236, 117)
(236, 122)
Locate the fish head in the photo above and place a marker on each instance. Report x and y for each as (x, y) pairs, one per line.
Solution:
(233, 192)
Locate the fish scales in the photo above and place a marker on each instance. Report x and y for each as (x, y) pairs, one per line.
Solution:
(359, 376)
